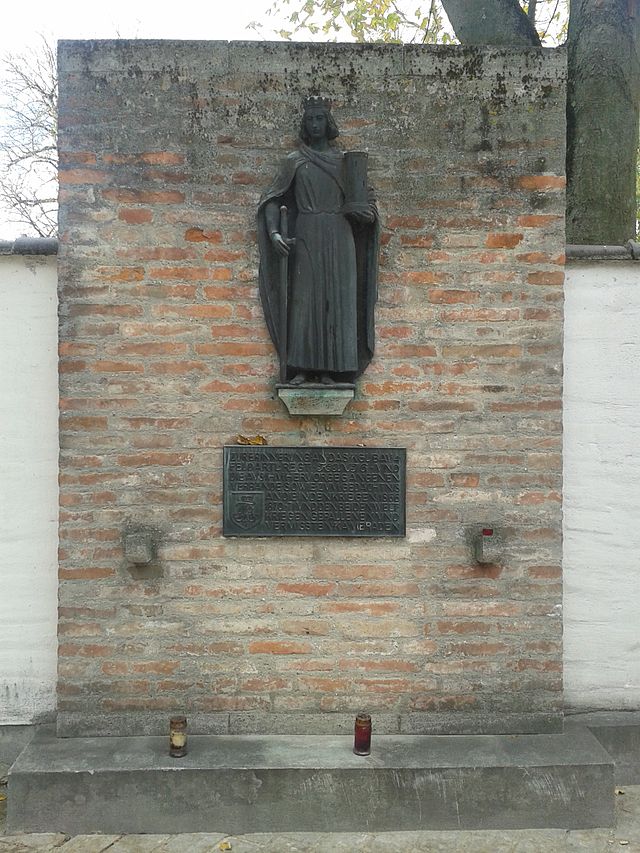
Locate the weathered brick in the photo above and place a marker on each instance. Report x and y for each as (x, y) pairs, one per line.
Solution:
(135, 215)
(133, 196)
(266, 647)
(542, 182)
(546, 278)
(497, 240)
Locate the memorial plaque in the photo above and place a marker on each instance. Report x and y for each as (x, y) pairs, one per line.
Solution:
(314, 491)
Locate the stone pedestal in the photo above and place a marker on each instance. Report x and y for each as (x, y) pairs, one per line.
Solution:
(255, 783)
(316, 399)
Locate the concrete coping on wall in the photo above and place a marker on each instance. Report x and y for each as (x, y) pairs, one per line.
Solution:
(29, 246)
(630, 251)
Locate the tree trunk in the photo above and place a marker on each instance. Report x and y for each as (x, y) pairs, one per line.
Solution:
(500, 22)
(602, 120)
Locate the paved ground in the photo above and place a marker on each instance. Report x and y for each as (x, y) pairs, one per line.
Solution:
(624, 837)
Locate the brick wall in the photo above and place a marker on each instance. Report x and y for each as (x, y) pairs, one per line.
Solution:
(164, 150)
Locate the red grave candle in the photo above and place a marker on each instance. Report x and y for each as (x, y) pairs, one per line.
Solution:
(362, 735)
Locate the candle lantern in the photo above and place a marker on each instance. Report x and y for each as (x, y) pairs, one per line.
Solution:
(362, 735)
(178, 737)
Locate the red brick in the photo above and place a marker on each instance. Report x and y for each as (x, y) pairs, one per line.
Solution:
(450, 297)
(379, 590)
(83, 423)
(177, 368)
(80, 629)
(554, 278)
(157, 423)
(394, 222)
(88, 651)
(73, 157)
(155, 253)
(537, 498)
(272, 647)
(88, 574)
(134, 196)
(478, 649)
(419, 241)
(537, 220)
(542, 182)
(480, 315)
(114, 668)
(105, 366)
(306, 627)
(486, 570)
(483, 351)
(540, 258)
(463, 628)
(378, 608)
(412, 350)
(120, 273)
(468, 481)
(224, 255)
(426, 277)
(81, 176)
(236, 349)
(156, 667)
(501, 240)
(135, 215)
(538, 665)
(70, 348)
(139, 460)
(183, 273)
(162, 158)
(307, 589)
(152, 348)
(425, 479)
(545, 572)
(201, 235)
(245, 178)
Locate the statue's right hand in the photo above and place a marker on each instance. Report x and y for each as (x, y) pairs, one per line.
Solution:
(280, 244)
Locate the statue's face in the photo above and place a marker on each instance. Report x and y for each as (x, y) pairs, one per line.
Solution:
(315, 122)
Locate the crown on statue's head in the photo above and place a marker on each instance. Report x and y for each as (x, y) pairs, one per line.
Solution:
(316, 101)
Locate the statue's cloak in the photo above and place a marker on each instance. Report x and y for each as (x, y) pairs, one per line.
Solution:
(366, 240)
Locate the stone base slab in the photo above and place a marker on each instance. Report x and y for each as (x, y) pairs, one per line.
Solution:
(253, 783)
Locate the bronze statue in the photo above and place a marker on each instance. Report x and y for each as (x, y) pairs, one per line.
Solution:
(319, 257)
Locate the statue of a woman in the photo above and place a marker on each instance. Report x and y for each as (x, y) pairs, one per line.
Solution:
(318, 281)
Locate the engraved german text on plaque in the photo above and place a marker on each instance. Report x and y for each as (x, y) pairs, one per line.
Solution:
(314, 491)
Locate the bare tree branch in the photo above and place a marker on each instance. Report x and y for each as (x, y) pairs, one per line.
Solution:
(28, 127)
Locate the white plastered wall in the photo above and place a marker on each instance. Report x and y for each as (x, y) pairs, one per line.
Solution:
(28, 487)
(602, 486)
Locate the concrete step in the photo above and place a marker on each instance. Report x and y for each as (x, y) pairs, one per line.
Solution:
(251, 783)
(619, 734)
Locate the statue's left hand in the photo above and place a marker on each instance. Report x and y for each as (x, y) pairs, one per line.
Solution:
(362, 215)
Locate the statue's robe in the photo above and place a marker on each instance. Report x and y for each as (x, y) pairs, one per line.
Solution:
(332, 270)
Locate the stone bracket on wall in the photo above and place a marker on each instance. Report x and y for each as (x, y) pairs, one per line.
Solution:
(312, 399)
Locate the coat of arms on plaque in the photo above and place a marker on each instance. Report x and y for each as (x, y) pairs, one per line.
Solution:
(246, 509)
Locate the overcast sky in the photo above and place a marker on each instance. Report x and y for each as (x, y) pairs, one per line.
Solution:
(22, 26)
(73, 19)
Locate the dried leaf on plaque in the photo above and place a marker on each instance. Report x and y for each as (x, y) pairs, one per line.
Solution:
(250, 439)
